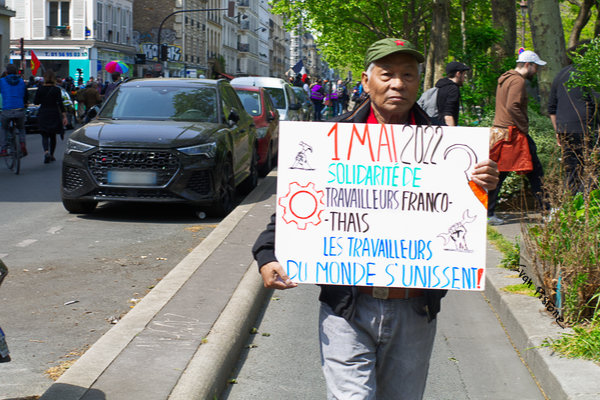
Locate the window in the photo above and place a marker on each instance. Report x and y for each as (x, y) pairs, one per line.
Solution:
(59, 13)
(99, 23)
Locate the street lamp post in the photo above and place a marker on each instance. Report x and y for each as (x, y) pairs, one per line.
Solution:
(523, 5)
(162, 53)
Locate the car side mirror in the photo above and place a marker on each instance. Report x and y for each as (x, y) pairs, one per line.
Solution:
(295, 106)
(234, 117)
(271, 116)
(92, 113)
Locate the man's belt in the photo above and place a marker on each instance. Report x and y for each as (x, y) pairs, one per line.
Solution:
(385, 293)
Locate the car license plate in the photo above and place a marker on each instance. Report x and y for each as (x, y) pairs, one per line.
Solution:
(137, 178)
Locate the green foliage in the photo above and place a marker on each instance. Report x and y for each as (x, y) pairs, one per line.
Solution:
(584, 342)
(587, 73)
(520, 288)
(511, 252)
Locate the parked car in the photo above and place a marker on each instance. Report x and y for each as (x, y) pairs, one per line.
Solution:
(163, 140)
(31, 114)
(281, 93)
(259, 105)
(308, 108)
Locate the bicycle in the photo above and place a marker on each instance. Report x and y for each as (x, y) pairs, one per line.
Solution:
(13, 149)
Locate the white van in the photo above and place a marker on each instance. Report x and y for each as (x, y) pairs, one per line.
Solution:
(284, 98)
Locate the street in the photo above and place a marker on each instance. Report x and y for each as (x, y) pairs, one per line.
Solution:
(72, 276)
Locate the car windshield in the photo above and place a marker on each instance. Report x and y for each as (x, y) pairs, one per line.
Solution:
(251, 101)
(277, 96)
(163, 103)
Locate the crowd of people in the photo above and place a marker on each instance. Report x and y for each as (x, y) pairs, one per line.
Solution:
(51, 117)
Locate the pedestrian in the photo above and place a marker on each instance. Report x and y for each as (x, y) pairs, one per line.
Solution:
(89, 97)
(116, 81)
(513, 149)
(448, 96)
(14, 101)
(372, 346)
(342, 96)
(52, 115)
(317, 94)
(573, 115)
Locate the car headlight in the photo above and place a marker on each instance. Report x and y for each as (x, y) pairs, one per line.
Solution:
(77, 147)
(208, 150)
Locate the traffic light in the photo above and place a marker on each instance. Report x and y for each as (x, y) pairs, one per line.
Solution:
(164, 52)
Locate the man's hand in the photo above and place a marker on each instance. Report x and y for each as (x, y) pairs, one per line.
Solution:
(274, 277)
(486, 174)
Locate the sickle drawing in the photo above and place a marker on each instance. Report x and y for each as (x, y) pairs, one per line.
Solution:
(477, 190)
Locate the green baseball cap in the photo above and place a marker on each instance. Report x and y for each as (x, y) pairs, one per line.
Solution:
(387, 46)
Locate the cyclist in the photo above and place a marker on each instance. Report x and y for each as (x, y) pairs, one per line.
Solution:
(14, 101)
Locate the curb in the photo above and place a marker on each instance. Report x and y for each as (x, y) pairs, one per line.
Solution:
(527, 325)
(207, 373)
(80, 377)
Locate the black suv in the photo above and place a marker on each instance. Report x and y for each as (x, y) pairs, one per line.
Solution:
(163, 140)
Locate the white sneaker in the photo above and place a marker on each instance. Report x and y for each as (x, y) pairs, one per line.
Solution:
(493, 220)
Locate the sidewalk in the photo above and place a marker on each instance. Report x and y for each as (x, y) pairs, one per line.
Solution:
(184, 338)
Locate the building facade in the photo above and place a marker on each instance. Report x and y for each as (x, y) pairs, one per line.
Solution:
(75, 38)
(5, 15)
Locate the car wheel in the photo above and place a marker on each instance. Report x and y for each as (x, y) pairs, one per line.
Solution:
(226, 192)
(79, 206)
(268, 165)
(252, 179)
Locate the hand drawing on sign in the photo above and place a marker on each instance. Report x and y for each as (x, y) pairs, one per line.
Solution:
(456, 237)
(301, 161)
(477, 190)
(302, 205)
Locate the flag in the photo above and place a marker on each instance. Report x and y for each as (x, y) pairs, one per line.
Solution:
(35, 63)
(298, 67)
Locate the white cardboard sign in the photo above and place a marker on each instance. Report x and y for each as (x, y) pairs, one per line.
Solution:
(381, 205)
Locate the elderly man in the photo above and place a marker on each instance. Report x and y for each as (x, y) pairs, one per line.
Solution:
(375, 348)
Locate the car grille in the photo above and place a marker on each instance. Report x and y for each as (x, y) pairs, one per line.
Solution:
(141, 194)
(164, 163)
(200, 182)
(73, 179)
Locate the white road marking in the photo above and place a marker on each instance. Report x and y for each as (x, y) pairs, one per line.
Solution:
(26, 242)
(54, 229)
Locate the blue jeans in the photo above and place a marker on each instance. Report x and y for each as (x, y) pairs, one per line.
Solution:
(382, 354)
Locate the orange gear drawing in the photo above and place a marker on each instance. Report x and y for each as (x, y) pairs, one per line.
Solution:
(302, 205)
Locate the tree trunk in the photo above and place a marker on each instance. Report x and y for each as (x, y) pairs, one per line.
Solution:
(463, 24)
(438, 43)
(583, 17)
(548, 41)
(504, 18)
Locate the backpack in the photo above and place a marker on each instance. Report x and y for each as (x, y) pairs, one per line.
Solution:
(428, 102)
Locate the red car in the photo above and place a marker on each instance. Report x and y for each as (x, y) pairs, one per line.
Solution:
(259, 105)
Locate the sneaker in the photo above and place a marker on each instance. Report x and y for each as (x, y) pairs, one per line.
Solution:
(493, 220)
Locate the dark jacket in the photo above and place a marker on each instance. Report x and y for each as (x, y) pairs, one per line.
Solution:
(574, 108)
(342, 299)
(448, 99)
(51, 109)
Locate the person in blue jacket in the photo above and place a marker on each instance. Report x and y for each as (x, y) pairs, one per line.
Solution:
(14, 101)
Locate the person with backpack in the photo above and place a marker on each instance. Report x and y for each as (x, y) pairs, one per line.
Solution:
(442, 102)
(317, 94)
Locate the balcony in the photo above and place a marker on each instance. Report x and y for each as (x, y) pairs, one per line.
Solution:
(59, 31)
(244, 47)
(244, 3)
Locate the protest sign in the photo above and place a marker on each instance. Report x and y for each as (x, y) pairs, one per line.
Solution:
(381, 205)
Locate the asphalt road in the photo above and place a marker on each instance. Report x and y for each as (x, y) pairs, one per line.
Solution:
(72, 275)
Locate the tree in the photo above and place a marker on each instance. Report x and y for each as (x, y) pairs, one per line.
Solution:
(583, 17)
(438, 43)
(504, 18)
(548, 41)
